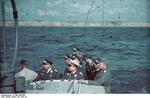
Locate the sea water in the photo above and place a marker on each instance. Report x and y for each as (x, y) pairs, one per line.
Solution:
(125, 49)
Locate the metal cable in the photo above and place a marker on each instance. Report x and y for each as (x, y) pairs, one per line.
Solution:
(16, 44)
(89, 12)
(16, 33)
(3, 30)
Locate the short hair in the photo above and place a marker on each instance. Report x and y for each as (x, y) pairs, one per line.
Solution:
(49, 61)
(87, 56)
(23, 61)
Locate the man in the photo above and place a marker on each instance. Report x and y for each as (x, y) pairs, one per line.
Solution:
(103, 76)
(89, 67)
(47, 72)
(72, 72)
(26, 72)
(77, 54)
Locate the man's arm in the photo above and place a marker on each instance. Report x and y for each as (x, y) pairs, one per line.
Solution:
(98, 81)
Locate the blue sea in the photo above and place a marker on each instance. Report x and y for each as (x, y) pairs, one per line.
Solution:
(126, 50)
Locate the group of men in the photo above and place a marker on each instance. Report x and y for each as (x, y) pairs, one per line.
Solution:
(79, 67)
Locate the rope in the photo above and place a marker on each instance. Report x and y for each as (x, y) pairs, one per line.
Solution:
(101, 25)
(3, 30)
(15, 14)
(89, 12)
(16, 44)
(103, 14)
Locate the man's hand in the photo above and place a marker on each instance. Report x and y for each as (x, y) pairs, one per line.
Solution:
(83, 81)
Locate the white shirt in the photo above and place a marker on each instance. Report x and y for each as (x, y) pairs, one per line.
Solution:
(27, 73)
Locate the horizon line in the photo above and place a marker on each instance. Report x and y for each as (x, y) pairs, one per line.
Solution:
(77, 23)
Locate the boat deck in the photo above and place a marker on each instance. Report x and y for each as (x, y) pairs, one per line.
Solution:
(63, 87)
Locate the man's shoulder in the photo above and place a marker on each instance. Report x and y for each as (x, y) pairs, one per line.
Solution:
(20, 73)
(55, 70)
(29, 71)
(103, 73)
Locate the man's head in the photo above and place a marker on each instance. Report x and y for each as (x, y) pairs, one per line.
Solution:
(73, 64)
(23, 63)
(46, 64)
(67, 58)
(100, 64)
(76, 53)
(87, 59)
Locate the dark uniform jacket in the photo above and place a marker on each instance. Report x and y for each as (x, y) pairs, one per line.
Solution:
(82, 70)
(90, 72)
(51, 74)
(102, 78)
(71, 76)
